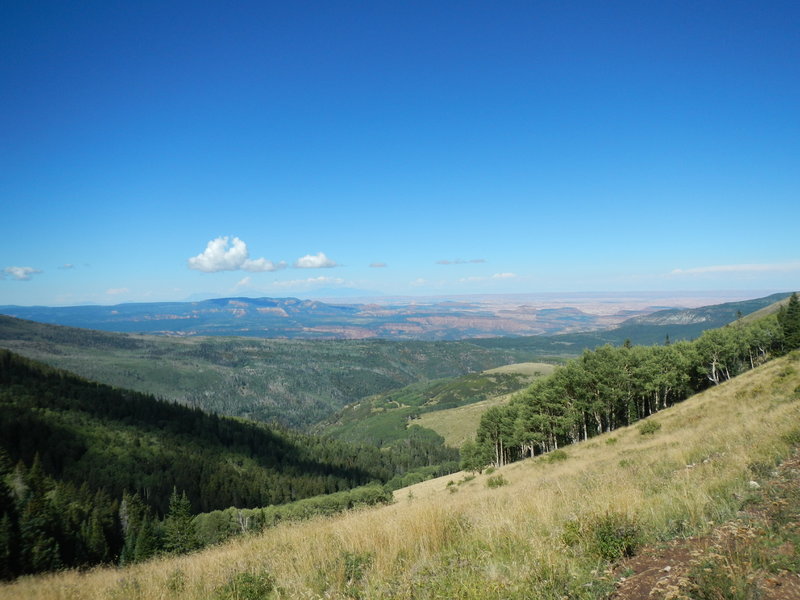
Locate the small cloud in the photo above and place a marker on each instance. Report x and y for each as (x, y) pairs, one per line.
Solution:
(746, 268)
(117, 291)
(419, 282)
(67, 266)
(260, 265)
(504, 276)
(314, 261)
(471, 279)
(460, 261)
(310, 282)
(378, 265)
(220, 256)
(20, 273)
(244, 282)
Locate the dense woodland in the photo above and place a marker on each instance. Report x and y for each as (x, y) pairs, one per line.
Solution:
(81, 461)
(612, 387)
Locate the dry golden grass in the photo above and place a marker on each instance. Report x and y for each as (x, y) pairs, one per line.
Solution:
(458, 425)
(504, 542)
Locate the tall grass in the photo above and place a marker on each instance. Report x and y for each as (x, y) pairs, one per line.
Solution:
(548, 533)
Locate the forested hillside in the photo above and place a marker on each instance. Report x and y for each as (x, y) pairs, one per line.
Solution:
(292, 382)
(612, 387)
(76, 453)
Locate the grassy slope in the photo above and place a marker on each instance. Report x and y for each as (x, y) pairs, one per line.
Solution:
(296, 382)
(384, 418)
(767, 310)
(506, 542)
(457, 425)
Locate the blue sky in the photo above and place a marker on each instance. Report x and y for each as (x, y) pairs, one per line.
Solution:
(159, 151)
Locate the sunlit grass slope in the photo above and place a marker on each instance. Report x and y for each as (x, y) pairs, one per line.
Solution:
(457, 425)
(538, 532)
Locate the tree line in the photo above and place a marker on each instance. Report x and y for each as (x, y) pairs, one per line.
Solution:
(611, 387)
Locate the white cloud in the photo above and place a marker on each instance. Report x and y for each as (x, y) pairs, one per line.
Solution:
(67, 266)
(20, 273)
(504, 276)
(260, 265)
(244, 282)
(418, 282)
(378, 265)
(314, 261)
(746, 268)
(310, 282)
(220, 256)
(117, 291)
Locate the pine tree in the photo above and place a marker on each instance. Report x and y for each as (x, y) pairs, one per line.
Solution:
(7, 548)
(146, 544)
(179, 530)
(789, 319)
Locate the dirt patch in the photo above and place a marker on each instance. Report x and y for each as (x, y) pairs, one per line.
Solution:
(754, 556)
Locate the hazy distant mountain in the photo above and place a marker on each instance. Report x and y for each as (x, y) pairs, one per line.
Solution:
(677, 324)
(310, 319)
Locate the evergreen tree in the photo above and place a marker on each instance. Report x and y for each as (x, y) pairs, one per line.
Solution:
(789, 319)
(7, 548)
(179, 531)
(39, 549)
(146, 542)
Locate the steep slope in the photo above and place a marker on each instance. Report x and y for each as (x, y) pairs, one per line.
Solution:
(542, 528)
(117, 440)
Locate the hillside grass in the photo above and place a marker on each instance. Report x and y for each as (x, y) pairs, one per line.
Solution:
(458, 425)
(547, 533)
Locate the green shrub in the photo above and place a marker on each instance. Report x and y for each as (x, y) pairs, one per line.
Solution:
(176, 582)
(611, 441)
(356, 565)
(649, 427)
(613, 536)
(247, 586)
(496, 481)
(792, 437)
(557, 455)
(572, 534)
